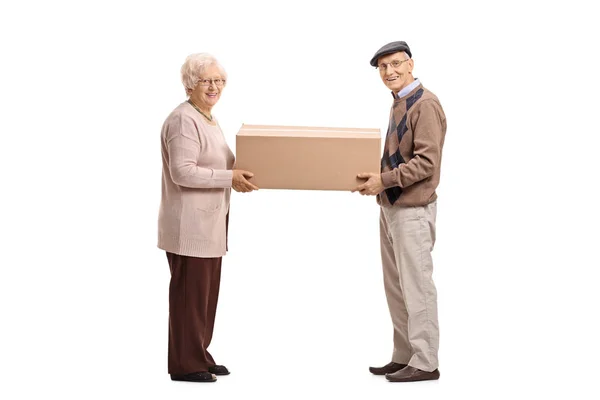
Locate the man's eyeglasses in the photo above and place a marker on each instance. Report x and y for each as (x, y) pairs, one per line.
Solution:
(394, 64)
(208, 82)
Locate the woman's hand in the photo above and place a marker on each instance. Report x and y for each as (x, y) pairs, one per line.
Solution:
(240, 183)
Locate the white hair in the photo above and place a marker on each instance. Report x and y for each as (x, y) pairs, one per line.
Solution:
(194, 66)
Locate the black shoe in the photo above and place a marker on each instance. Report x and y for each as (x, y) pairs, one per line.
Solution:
(386, 369)
(218, 370)
(195, 377)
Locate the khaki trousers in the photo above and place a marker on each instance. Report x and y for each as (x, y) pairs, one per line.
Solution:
(407, 239)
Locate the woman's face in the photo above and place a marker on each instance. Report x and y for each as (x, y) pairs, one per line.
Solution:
(208, 90)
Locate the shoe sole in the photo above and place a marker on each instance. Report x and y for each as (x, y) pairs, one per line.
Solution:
(192, 380)
(433, 378)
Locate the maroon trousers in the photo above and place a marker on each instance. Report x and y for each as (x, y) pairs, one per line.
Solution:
(193, 295)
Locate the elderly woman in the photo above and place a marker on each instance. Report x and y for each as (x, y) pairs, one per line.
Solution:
(197, 176)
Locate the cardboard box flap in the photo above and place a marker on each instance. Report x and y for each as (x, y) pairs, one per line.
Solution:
(307, 131)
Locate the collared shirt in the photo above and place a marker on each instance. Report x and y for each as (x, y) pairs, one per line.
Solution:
(407, 89)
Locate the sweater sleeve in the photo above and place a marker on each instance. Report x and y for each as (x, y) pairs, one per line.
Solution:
(427, 138)
(183, 147)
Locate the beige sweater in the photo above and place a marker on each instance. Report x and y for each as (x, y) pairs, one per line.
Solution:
(196, 185)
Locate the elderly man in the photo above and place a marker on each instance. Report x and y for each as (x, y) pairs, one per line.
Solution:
(405, 190)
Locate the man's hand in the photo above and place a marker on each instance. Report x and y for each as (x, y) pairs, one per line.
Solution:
(240, 183)
(373, 186)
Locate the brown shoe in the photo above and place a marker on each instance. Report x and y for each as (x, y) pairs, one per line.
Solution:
(411, 374)
(386, 369)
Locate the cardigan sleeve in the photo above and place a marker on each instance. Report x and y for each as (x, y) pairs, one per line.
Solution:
(183, 148)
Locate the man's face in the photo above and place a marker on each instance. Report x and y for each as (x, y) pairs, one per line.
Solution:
(395, 71)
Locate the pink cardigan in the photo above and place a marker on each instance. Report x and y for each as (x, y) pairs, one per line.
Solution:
(196, 185)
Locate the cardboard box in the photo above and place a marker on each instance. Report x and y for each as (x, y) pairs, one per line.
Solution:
(309, 158)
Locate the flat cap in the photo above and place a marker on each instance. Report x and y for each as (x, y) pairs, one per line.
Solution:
(391, 48)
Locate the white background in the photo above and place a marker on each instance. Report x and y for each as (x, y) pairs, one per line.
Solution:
(85, 87)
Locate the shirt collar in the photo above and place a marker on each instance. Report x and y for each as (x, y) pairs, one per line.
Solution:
(407, 89)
